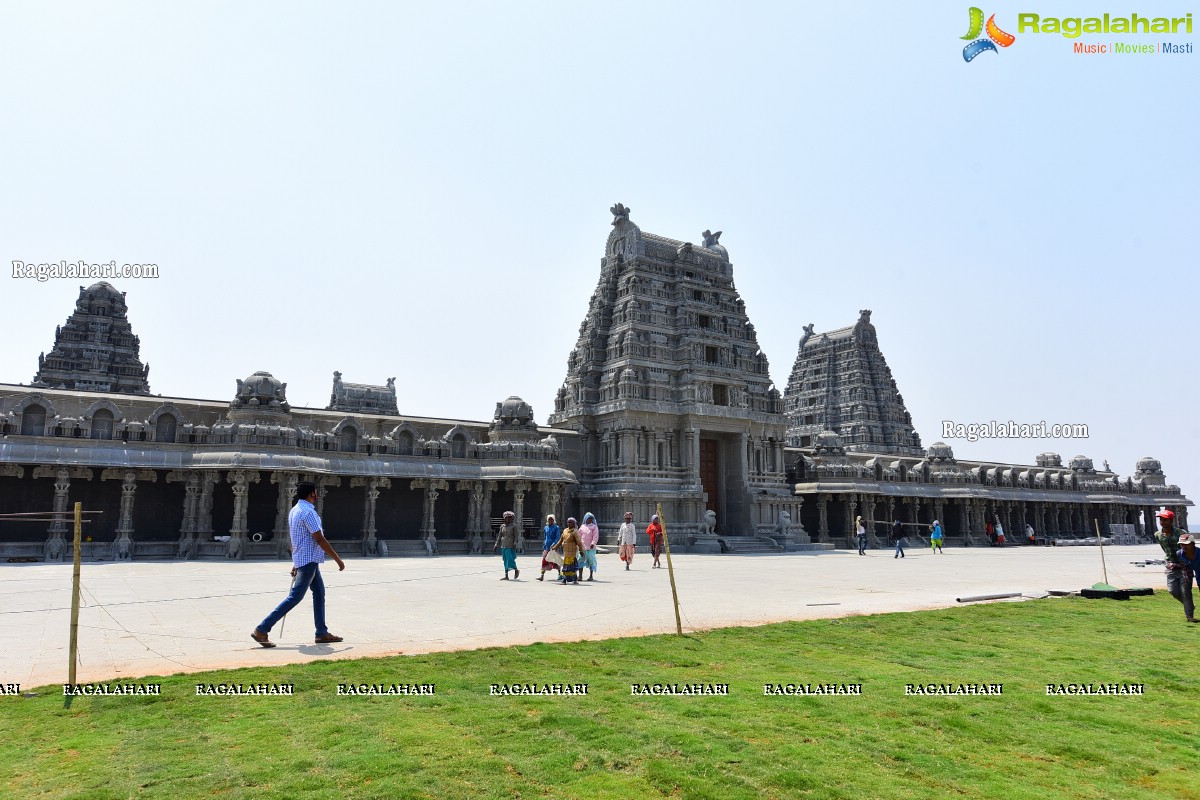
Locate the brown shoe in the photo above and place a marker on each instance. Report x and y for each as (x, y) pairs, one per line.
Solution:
(328, 638)
(261, 638)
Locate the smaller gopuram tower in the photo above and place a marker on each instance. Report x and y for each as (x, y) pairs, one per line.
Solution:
(841, 382)
(363, 398)
(672, 397)
(95, 351)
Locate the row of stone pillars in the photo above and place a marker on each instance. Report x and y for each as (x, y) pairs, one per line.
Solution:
(198, 506)
(971, 515)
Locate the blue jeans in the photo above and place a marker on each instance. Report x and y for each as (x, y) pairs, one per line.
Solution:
(900, 546)
(862, 543)
(307, 577)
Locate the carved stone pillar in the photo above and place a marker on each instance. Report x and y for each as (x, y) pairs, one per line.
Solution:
(472, 506)
(286, 483)
(552, 498)
(869, 501)
(188, 544)
(851, 513)
(204, 525)
(428, 508)
(743, 442)
(485, 506)
(969, 521)
(691, 453)
(370, 498)
(122, 549)
(56, 543)
(939, 508)
(369, 545)
(801, 535)
(823, 517)
(1138, 527)
(239, 481)
(123, 546)
(519, 488)
(322, 490)
(477, 521)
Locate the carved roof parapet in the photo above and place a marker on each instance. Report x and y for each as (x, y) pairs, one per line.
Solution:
(75, 473)
(123, 473)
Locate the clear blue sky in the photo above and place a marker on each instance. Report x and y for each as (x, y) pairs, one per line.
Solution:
(422, 190)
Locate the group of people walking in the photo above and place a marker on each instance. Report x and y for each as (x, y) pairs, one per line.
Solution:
(936, 537)
(571, 550)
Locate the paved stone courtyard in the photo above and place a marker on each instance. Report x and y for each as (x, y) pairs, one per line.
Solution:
(157, 618)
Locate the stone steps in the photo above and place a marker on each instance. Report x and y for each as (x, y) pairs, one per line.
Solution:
(743, 545)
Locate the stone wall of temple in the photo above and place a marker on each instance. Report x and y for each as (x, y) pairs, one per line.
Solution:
(1068, 503)
(170, 475)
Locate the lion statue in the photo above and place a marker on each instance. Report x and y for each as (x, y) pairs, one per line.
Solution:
(121, 548)
(708, 526)
(186, 547)
(56, 548)
(784, 523)
(233, 547)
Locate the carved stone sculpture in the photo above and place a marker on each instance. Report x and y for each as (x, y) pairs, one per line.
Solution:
(56, 548)
(122, 548)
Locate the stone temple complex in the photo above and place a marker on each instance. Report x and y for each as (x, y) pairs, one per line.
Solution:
(667, 400)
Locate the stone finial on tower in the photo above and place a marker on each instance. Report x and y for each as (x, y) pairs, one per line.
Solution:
(710, 238)
(620, 213)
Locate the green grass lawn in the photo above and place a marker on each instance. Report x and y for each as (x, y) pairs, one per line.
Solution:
(462, 743)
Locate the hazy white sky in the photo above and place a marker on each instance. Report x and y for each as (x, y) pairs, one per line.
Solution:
(421, 190)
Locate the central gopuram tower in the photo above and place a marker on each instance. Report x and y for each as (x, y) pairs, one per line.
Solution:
(673, 399)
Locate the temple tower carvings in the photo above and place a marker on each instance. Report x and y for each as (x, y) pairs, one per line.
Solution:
(841, 382)
(95, 350)
(672, 396)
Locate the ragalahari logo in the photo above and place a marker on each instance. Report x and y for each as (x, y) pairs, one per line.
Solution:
(994, 35)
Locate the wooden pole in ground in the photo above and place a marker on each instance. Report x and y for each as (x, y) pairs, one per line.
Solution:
(1100, 541)
(670, 570)
(73, 648)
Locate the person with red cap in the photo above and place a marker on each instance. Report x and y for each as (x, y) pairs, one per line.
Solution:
(1179, 576)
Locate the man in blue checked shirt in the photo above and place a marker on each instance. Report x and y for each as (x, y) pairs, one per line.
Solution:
(309, 548)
